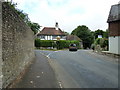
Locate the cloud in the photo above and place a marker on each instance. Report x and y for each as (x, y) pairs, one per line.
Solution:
(68, 13)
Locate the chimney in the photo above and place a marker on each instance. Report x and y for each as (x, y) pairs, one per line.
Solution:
(56, 26)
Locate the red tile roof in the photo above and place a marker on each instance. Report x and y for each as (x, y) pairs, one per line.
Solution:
(51, 31)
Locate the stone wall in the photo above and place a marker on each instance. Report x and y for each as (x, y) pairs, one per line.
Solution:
(17, 45)
(0, 45)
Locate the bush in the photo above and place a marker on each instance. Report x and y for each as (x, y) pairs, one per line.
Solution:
(65, 44)
(46, 43)
(37, 42)
(61, 44)
(103, 42)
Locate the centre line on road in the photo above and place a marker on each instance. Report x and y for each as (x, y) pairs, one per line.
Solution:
(48, 56)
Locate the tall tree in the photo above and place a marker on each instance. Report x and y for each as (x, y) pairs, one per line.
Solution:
(98, 32)
(85, 34)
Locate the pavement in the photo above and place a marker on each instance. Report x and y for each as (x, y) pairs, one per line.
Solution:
(39, 75)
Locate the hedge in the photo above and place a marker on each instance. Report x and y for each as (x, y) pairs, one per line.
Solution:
(59, 44)
(37, 42)
(43, 43)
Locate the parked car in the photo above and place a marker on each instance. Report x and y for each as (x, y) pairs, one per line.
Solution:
(72, 47)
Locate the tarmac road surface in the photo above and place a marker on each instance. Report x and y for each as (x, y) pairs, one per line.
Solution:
(83, 69)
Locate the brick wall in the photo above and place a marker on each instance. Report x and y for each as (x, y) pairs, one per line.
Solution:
(114, 28)
(17, 45)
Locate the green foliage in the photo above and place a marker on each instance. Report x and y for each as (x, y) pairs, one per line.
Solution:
(43, 43)
(65, 43)
(23, 15)
(97, 41)
(61, 44)
(105, 35)
(84, 34)
(100, 32)
(37, 42)
(46, 43)
(34, 26)
(103, 42)
(12, 5)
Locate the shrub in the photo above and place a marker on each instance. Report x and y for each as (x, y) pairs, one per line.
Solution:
(46, 43)
(61, 44)
(37, 42)
(103, 42)
(65, 44)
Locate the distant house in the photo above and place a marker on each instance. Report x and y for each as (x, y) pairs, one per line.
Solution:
(73, 37)
(114, 29)
(52, 33)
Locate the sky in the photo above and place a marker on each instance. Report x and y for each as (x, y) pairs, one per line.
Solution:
(68, 13)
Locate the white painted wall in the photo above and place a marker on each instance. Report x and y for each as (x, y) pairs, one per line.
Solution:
(45, 37)
(114, 44)
(49, 38)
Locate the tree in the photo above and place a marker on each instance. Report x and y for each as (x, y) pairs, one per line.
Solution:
(34, 26)
(98, 32)
(23, 15)
(105, 35)
(85, 34)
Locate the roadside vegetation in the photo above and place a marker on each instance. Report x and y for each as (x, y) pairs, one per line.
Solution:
(84, 33)
(90, 38)
(55, 44)
(34, 26)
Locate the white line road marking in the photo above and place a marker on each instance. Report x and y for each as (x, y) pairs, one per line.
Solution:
(48, 56)
(73, 52)
(60, 84)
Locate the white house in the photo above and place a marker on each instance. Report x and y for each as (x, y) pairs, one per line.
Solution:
(52, 33)
(114, 29)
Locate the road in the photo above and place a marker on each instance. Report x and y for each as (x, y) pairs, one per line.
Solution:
(83, 69)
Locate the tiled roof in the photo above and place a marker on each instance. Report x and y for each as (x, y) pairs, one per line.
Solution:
(114, 14)
(73, 37)
(51, 31)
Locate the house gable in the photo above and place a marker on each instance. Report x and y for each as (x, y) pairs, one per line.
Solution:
(114, 20)
(51, 33)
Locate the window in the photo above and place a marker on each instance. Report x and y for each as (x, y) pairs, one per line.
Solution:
(42, 37)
